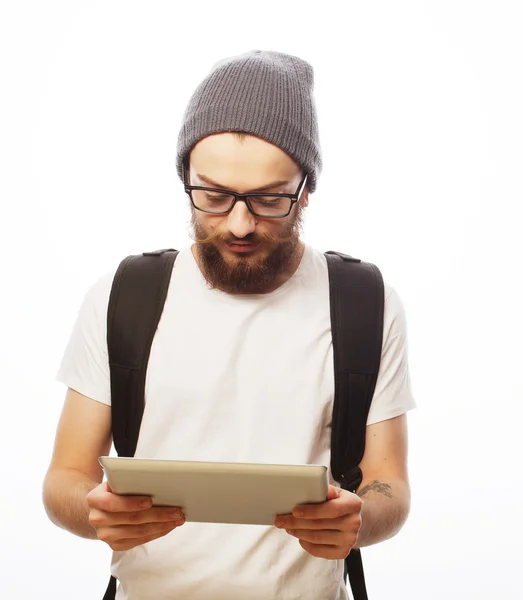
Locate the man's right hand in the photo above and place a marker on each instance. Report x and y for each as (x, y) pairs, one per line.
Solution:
(124, 522)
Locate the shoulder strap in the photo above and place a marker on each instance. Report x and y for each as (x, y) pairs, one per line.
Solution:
(357, 302)
(136, 303)
(135, 307)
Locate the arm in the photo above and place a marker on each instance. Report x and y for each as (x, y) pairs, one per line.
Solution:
(385, 489)
(331, 529)
(83, 434)
(73, 495)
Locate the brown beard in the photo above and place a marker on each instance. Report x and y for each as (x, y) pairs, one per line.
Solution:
(246, 274)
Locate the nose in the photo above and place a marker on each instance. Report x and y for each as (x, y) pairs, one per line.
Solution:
(240, 221)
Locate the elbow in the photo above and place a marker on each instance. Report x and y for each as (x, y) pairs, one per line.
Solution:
(403, 505)
(49, 498)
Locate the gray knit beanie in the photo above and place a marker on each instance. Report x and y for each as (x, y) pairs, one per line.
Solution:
(265, 94)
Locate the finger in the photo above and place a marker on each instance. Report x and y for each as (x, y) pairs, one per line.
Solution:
(345, 504)
(321, 537)
(107, 501)
(152, 515)
(334, 492)
(332, 524)
(118, 533)
(100, 519)
(129, 543)
(323, 551)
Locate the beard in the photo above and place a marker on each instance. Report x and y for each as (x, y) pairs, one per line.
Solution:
(247, 273)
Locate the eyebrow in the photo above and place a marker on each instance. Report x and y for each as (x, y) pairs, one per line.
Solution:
(260, 189)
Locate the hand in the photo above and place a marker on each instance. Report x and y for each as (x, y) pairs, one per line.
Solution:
(124, 522)
(328, 530)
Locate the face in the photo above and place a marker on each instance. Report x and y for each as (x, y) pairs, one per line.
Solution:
(239, 252)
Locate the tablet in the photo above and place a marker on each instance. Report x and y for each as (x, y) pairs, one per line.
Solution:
(217, 492)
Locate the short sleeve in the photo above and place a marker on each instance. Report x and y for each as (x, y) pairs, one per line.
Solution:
(393, 395)
(85, 363)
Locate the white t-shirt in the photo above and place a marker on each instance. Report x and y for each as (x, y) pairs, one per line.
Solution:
(246, 378)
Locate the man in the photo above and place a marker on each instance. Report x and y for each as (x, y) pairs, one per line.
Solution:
(240, 368)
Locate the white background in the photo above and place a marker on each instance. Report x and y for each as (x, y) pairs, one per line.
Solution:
(420, 109)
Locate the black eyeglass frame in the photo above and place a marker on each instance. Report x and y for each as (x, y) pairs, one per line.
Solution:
(245, 198)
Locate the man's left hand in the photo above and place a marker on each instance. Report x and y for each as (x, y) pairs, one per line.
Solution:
(328, 530)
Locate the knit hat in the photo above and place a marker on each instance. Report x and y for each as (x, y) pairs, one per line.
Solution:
(265, 94)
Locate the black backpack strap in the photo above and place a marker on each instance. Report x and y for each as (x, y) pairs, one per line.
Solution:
(136, 303)
(135, 306)
(110, 592)
(357, 303)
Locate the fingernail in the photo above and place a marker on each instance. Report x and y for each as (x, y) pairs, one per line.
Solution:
(147, 503)
(175, 514)
(278, 522)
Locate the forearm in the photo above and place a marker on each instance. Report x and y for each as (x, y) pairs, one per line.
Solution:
(65, 500)
(385, 509)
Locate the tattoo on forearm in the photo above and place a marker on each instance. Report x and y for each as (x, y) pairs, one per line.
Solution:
(377, 486)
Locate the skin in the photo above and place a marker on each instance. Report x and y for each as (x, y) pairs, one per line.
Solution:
(375, 513)
(245, 165)
(74, 495)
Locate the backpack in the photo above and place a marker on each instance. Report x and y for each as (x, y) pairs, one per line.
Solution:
(356, 293)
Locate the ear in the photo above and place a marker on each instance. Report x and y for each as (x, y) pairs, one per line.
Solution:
(187, 169)
(305, 197)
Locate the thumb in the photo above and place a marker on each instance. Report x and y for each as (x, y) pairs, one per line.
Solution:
(334, 492)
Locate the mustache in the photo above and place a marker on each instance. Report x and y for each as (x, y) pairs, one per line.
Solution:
(252, 238)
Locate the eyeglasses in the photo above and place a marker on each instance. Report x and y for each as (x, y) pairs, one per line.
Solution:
(220, 202)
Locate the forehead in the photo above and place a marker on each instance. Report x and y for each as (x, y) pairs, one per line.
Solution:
(245, 163)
